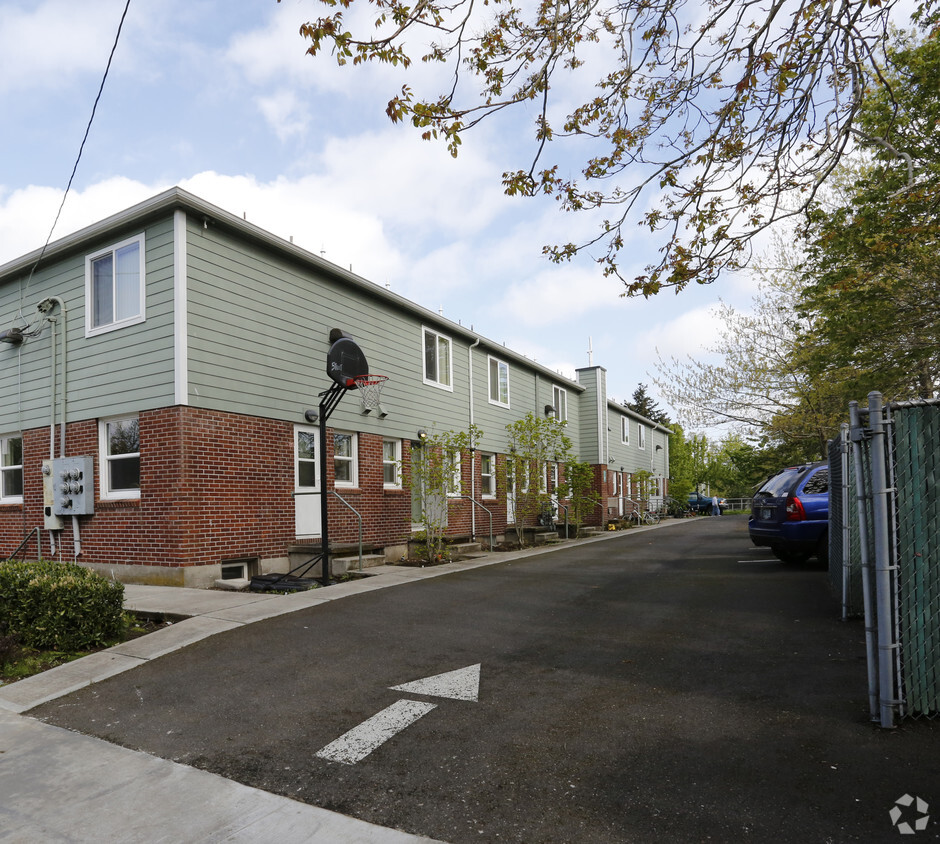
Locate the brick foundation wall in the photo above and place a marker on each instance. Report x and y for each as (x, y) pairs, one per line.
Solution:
(218, 486)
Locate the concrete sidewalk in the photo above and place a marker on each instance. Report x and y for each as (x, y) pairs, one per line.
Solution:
(62, 786)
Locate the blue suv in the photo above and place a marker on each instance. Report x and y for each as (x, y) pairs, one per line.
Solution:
(790, 514)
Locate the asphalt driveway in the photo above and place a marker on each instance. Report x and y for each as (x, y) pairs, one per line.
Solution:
(676, 685)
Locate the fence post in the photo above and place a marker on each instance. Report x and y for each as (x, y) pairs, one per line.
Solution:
(857, 435)
(883, 591)
(846, 539)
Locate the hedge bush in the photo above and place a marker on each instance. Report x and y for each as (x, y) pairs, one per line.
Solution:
(59, 606)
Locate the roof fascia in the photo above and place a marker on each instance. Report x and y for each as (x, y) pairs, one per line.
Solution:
(177, 198)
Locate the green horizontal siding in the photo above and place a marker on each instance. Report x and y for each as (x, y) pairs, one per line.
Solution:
(120, 371)
(259, 324)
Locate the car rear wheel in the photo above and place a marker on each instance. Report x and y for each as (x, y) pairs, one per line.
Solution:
(788, 556)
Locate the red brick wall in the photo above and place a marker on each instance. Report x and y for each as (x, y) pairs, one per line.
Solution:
(218, 486)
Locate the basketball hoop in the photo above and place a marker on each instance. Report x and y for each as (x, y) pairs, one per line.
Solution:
(370, 391)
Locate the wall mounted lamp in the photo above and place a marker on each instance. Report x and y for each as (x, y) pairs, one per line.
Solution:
(311, 416)
(550, 410)
(13, 336)
(422, 434)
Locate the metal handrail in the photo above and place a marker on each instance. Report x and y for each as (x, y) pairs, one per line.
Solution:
(358, 516)
(25, 542)
(356, 513)
(485, 510)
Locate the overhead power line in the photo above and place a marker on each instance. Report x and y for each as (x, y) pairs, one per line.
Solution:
(81, 148)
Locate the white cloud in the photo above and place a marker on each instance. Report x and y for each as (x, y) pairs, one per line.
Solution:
(285, 113)
(81, 43)
(690, 333)
(27, 214)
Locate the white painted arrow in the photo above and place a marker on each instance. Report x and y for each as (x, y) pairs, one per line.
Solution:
(360, 741)
(462, 684)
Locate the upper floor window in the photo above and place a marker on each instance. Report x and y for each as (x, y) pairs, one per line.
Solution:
(438, 366)
(344, 459)
(499, 382)
(488, 475)
(560, 403)
(11, 470)
(119, 450)
(114, 286)
(391, 463)
(640, 436)
(625, 430)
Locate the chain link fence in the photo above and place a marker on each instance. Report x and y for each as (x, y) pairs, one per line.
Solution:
(884, 549)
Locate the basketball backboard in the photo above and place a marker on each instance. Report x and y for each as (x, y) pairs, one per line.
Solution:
(345, 360)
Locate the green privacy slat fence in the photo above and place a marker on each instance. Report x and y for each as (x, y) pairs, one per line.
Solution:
(916, 459)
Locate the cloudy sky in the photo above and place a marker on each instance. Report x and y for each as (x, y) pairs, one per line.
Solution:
(217, 97)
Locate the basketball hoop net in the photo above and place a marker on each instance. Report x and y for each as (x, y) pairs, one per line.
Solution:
(370, 390)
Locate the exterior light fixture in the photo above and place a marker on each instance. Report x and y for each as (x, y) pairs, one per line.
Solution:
(311, 416)
(13, 336)
(422, 435)
(550, 410)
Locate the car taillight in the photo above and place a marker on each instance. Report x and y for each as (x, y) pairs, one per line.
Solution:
(795, 511)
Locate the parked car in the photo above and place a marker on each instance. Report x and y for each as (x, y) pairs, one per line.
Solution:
(703, 503)
(790, 514)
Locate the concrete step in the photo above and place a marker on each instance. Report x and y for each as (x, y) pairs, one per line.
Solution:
(341, 565)
(460, 550)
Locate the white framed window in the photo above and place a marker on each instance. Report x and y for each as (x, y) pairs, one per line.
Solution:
(640, 436)
(345, 459)
(454, 468)
(114, 287)
(560, 403)
(499, 381)
(391, 464)
(11, 470)
(119, 457)
(624, 430)
(438, 363)
(488, 475)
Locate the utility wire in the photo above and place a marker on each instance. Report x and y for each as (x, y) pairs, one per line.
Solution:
(81, 149)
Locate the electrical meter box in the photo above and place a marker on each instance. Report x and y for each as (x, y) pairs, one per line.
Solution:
(73, 486)
(50, 521)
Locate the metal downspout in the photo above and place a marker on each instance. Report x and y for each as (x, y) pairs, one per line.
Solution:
(473, 451)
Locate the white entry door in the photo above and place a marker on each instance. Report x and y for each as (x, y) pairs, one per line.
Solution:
(306, 482)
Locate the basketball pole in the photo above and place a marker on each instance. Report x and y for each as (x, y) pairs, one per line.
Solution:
(328, 402)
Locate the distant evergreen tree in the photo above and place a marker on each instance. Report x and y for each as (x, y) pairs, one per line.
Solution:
(645, 406)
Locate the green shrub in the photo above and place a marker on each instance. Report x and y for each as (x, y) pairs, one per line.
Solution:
(61, 606)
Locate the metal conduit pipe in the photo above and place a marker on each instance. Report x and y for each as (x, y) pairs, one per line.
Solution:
(45, 307)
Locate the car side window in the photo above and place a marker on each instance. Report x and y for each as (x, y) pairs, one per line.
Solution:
(818, 483)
